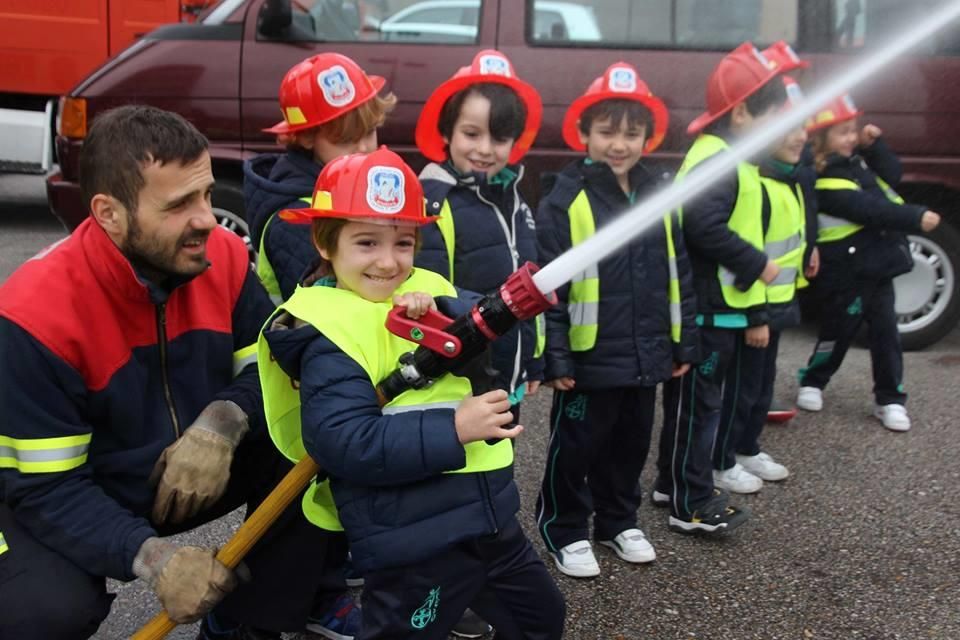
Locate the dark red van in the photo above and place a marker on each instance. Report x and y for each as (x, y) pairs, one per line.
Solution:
(223, 74)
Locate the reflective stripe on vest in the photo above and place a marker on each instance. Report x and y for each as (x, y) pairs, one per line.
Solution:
(746, 219)
(583, 305)
(833, 228)
(3, 545)
(584, 302)
(44, 455)
(378, 355)
(784, 242)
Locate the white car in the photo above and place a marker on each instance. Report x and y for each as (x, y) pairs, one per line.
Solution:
(456, 21)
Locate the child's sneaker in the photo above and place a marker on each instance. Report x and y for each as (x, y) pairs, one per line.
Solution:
(631, 545)
(659, 498)
(714, 517)
(577, 560)
(893, 416)
(338, 621)
(810, 398)
(764, 467)
(737, 479)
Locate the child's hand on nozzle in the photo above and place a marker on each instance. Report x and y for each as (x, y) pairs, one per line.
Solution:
(770, 272)
(485, 417)
(869, 134)
(561, 384)
(929, 221)
(416, 303)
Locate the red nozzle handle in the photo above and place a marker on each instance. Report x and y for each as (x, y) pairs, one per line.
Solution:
(427, 330)
(522, 296)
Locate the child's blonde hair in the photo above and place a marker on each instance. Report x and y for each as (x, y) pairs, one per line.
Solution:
(818, 144)
(351, 126)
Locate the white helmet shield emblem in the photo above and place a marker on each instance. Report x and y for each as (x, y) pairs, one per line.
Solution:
(385, 189)
(338, 89)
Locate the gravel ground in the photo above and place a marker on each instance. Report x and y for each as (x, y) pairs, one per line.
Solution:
(857, 544)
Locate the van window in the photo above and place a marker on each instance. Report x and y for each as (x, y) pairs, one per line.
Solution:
(684, 24)
(426, 21)
(869, 23)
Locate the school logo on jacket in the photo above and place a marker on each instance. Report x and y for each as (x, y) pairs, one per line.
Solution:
(494, 65)
(427, 612)
(385, 189)
(338, 89)
(623, 80)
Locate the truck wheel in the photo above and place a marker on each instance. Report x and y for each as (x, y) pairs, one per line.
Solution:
(928, 298)
(232, 222)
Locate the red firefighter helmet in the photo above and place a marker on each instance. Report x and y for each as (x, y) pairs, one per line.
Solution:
(740, 74)
(369, 187)
(838, 110)
(782, 54)
(321, 88)
(488, 66)
(619, 82)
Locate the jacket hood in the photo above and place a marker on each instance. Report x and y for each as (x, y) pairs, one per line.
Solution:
(276, 181)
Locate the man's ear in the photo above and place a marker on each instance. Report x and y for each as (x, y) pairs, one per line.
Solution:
(108, 213)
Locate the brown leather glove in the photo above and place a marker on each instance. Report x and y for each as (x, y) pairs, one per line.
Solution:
(193, 472)
(189, 581)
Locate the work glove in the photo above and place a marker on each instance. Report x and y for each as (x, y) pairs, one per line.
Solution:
(193, 472)
(189, 581)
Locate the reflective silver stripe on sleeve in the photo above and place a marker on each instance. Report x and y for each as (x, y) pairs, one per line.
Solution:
(44, 455)
(389, 411)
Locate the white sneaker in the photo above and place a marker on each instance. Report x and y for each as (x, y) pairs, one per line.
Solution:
(810, 399)
(659, 498)
(577, 560)
(737, 479)
(893, 416)
(763, 466)
(631, 545)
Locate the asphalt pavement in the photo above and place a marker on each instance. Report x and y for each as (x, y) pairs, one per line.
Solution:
(859, 543)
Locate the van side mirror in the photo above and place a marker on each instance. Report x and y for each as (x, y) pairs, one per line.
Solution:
(275, 18)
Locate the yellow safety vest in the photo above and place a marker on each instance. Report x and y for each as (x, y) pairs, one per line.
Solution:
(356, 326)
(268, 277)
(583, 304)
(746, 220)
(3, 545)
(448, 232)
(784, 242)
(832, 228)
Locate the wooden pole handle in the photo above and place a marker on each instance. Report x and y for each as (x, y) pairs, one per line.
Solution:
(246, 536)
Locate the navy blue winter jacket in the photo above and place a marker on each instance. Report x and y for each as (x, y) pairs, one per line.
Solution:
(272, 182)
(102, 369)
(633, 345)
(495, 234)
(397, 505)
(880, 249)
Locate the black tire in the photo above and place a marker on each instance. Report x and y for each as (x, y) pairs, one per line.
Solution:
(928, 298)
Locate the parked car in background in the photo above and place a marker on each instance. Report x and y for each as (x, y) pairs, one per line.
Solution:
(223, 73)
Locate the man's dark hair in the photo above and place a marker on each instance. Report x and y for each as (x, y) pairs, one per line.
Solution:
(124, 140)
(636, 113)
(771, 95)
(508, 114)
